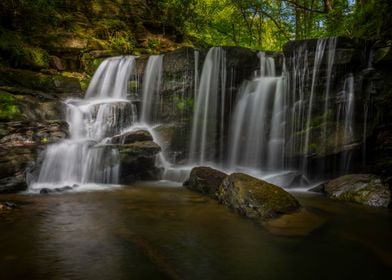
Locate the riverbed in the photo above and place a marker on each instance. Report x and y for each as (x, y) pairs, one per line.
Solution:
(160, 231)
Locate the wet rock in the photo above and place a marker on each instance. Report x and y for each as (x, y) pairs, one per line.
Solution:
(255, 198)
(12, 184)
(137, 161)
(132, 137)
(7, 207)
(55, 190)
(45, 191)
(364, 189)
(318, 189)
(205, 180)
(128, 152)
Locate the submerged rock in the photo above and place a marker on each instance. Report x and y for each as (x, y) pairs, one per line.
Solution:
(255, 198)
(205, 180)
(364, 189)
(55, 190)
(300, 223)
(6, 207)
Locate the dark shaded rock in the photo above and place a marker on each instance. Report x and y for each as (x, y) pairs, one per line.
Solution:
(55, 190)
(205, 180)
(13, 184)
(137, 161)
(45, 191)
(255, 198)
(132, 137)
(129, 152)
(318, 189)
(6, 207)
(364, 189)
(56, 63)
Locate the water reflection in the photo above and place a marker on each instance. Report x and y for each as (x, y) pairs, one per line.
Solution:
(142, 232)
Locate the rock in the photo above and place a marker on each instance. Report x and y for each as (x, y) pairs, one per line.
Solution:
(132, 137)
(6, 207)
(255, 198)
(364, 189)
(300, 223)
(45, 191)
(318, 189)
(205, 180)
(128, 152)
(55, 190)
(12, 184)
(56, 63)
(137, 161)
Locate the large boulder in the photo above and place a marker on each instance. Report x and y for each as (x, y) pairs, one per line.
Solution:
(205, 180)
(364, 189)
(137, 161)
(255, 198)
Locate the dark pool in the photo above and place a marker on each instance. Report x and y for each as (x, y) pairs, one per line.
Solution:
(158, 232)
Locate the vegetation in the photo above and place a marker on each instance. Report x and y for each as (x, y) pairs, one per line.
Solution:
(126, 26)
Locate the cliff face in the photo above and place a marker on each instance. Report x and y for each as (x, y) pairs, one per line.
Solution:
(45, 60)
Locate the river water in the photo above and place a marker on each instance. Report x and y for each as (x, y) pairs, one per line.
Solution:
(156, 231)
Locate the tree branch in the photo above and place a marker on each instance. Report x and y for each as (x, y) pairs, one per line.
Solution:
(302, 7)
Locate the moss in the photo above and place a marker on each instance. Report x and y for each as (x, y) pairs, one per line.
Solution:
(83, 78)
(34, 57)
(9, 109)
(255, 198)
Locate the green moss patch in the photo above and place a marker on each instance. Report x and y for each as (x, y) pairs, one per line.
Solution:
(9, 109)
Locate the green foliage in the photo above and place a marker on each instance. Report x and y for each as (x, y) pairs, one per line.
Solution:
(183, 104)
(9, 109)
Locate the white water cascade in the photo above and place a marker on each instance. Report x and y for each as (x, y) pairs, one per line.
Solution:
(207, 131)
(316, 99)
(256, 130)
(84, 158)
(151, 89)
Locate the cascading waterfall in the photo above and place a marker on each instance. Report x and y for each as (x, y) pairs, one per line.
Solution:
(84, 158)
(208, 118)
(345, 116)
(312, 107)
(256, 131)
(277, 123)
(151, 89)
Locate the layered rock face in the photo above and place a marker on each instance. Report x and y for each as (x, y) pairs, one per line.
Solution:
(173, 107)
(31, 117)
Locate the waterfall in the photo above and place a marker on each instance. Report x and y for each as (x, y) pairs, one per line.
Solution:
(84, 158)
(320, 47)
(256, 129)
(151, 88)
(111, 78)
(207, 133)
(345, 115)
(316, 99)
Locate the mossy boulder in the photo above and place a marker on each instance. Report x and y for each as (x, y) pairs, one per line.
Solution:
(205, 180)
(255, 198)
(366, 189)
